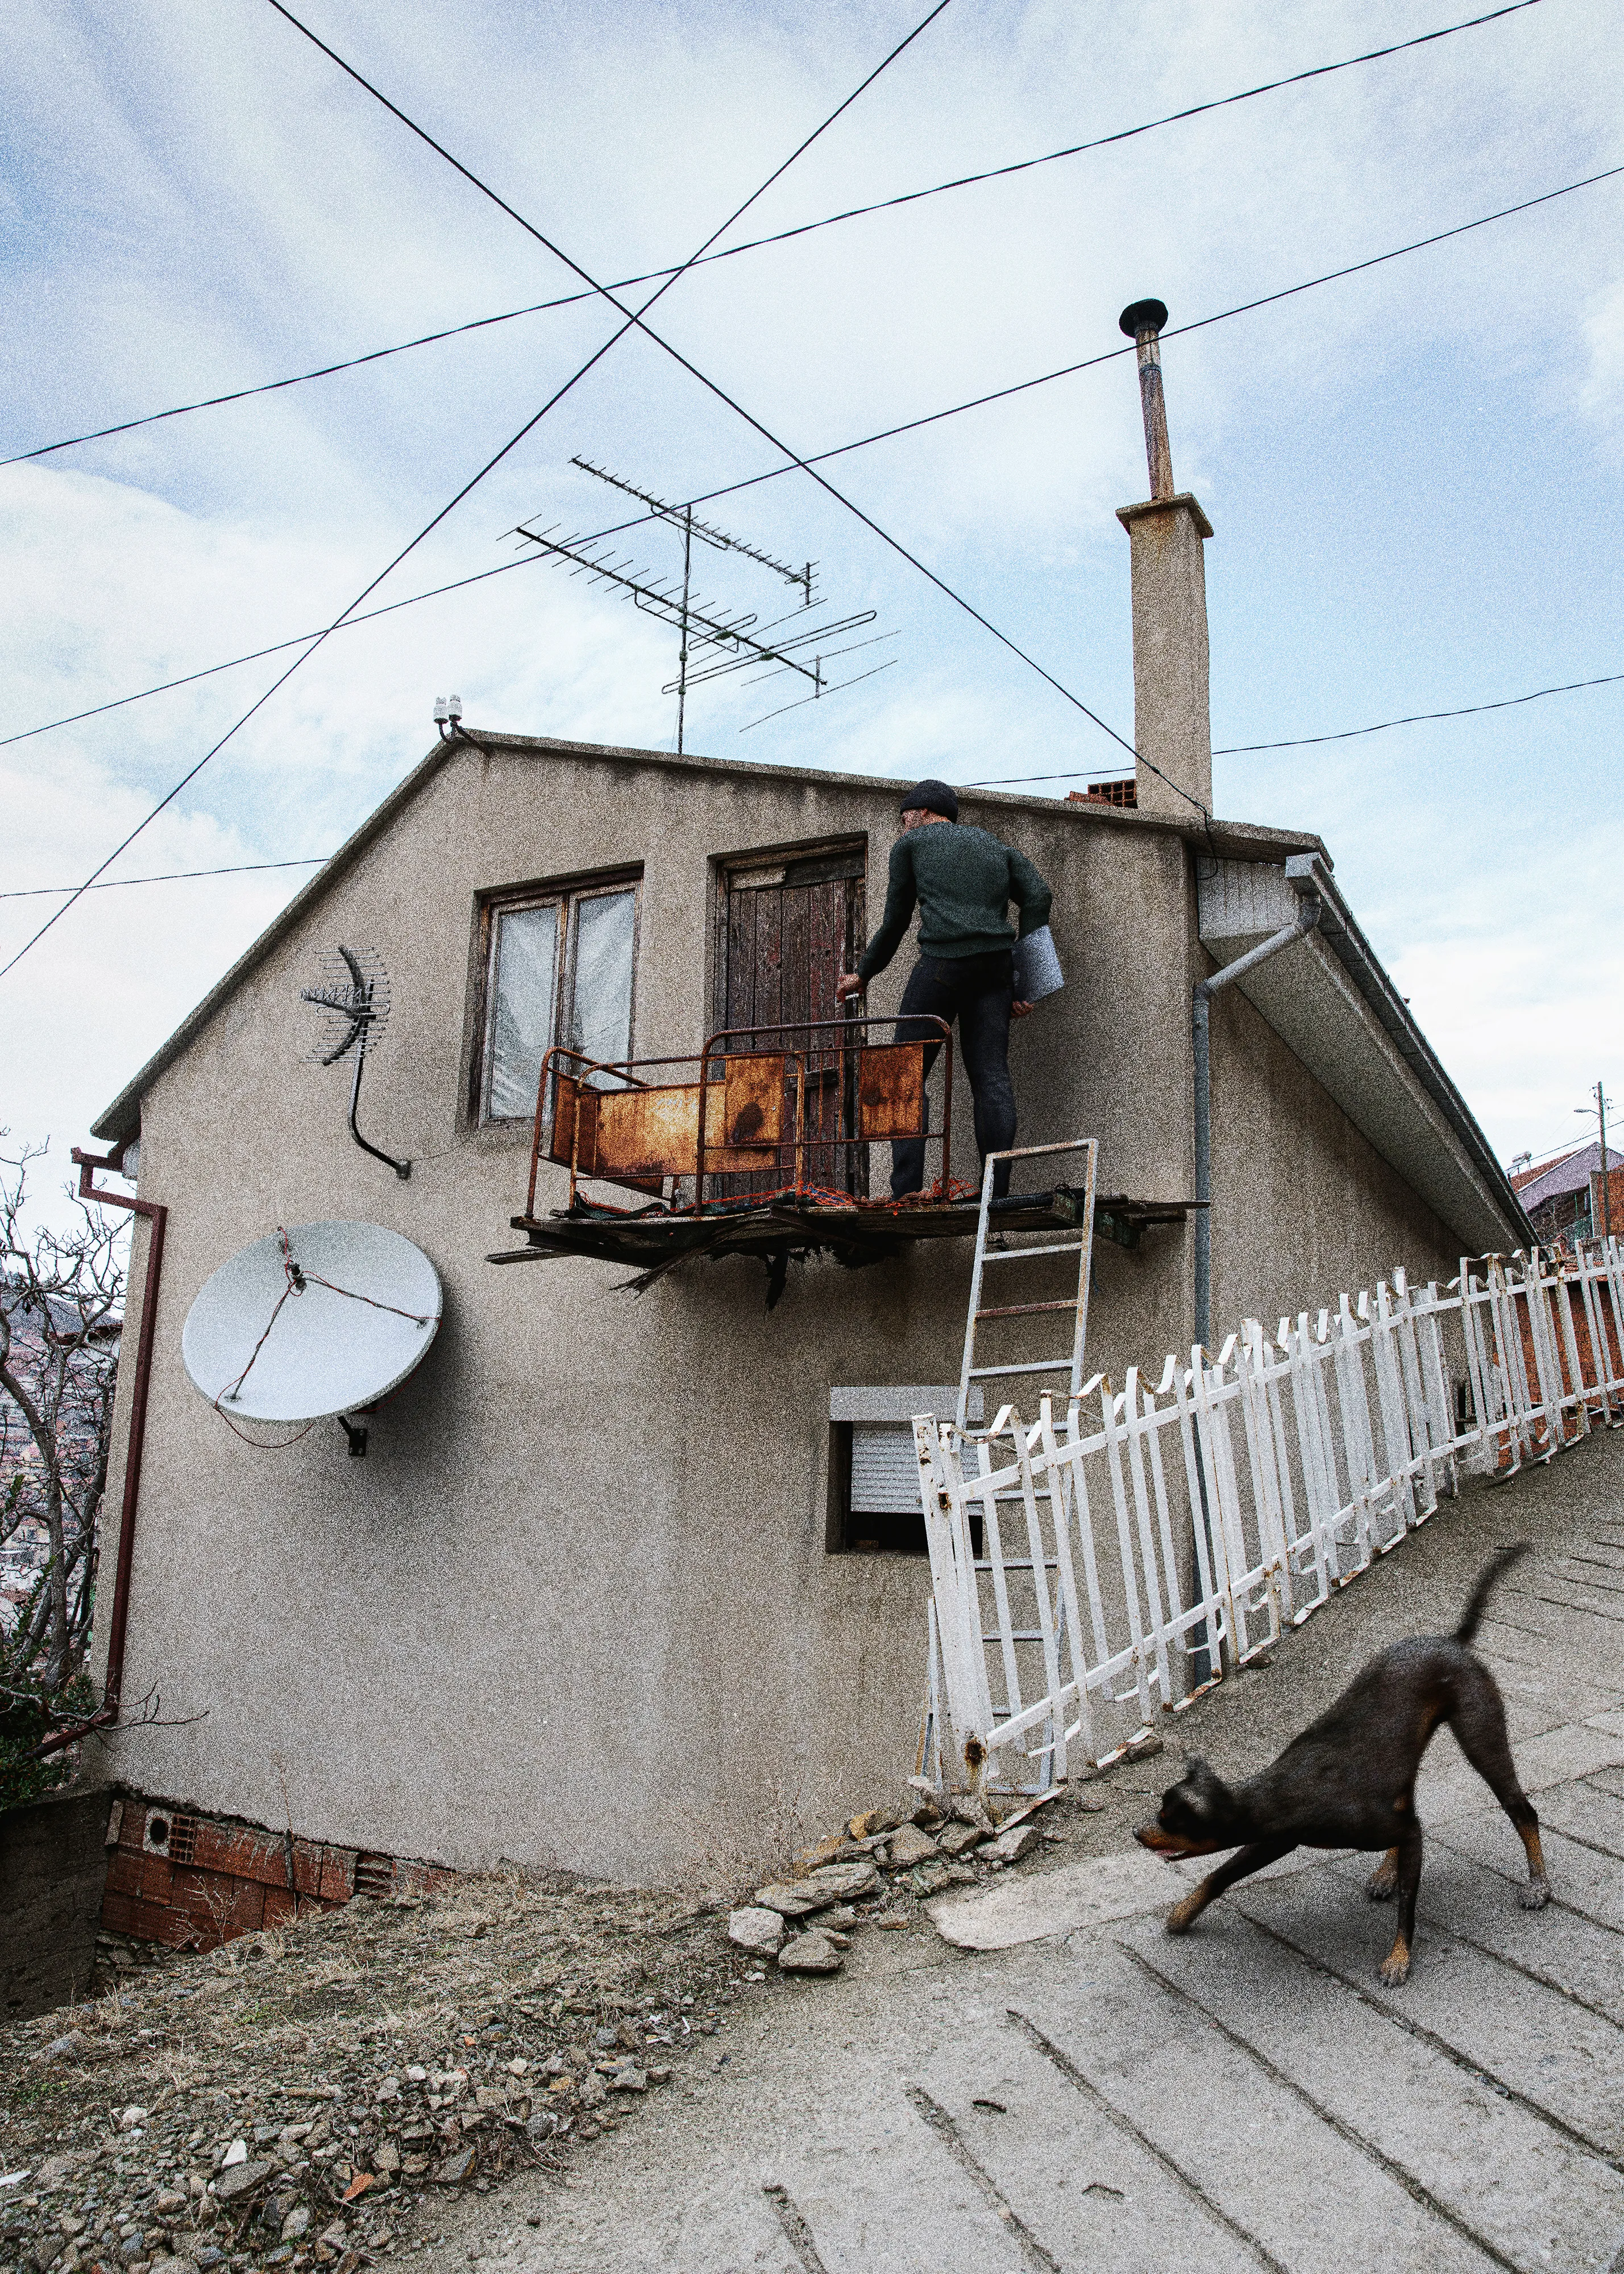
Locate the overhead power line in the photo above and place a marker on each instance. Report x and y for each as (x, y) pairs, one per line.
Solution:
(778, 236)
(168, 876)
(1345, 734)
(255, 655)
(1005, 782)
(721, 396)
(1420, 717)
(863, 442)
(556, 397)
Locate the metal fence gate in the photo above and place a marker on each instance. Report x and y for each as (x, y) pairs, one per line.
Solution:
(1136, 1543)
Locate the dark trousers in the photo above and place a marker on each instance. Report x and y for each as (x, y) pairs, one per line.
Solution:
(977, 991)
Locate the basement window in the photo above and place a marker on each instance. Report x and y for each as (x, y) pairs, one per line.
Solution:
(558, 966)
(874, 1497)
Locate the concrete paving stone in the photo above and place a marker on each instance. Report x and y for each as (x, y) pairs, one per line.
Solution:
(1589, 1814)
(1448, 1785)
(1603, 1573)
(1476, 1903)
(1317, 2203)
(1592, 1635)
(1084, 2187)
(1567, 2063)
(1525, 1646)
(1508, 2178)
(1030, 1909)
(889, 2198)
(1568, 1591)
(1607, 1779)
(1555, 1698)
(1609, 1717)
(700, 2228)
(1581, 1879)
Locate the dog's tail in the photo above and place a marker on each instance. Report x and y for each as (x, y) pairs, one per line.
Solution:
(1494, 1571)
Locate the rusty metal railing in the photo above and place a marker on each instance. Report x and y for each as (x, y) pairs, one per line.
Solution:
(606, 1121)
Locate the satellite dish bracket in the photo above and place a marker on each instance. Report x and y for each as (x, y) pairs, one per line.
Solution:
(357, 1435)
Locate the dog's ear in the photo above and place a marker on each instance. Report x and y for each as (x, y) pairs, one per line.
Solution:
(1203, 1790)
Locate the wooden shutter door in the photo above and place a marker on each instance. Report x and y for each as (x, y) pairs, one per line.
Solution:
(787, 932)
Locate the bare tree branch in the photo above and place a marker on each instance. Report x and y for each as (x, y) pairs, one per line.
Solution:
(62, 1294)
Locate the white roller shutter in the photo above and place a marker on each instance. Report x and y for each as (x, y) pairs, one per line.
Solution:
(885, 1466)
(884, 1470)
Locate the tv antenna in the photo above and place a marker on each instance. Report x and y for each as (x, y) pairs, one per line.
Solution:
(352, 995)
(712, 642)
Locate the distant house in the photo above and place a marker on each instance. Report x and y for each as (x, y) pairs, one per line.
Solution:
(1564, 1197)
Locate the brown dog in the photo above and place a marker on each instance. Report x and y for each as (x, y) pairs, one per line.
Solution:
(1349, 1780)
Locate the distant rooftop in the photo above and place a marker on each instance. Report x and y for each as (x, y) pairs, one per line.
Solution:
(1570, 1172)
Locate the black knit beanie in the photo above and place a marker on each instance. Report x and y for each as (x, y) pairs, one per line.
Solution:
(931, 797)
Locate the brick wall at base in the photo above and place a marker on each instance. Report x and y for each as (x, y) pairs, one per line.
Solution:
(192, 1882)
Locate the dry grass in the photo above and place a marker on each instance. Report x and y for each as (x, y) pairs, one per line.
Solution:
(505, 1991)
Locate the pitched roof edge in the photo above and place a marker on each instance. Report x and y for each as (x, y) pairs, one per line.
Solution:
(1236, 840)
(123, 1117)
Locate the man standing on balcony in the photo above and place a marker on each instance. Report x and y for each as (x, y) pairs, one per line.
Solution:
(962, 880)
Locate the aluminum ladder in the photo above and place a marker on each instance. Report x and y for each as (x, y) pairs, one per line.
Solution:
(1071, 1364)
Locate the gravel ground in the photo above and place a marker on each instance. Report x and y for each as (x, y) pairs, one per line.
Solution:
(312, 2096)
(386, 2077)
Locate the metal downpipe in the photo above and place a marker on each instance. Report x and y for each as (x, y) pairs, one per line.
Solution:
(1201, 1025)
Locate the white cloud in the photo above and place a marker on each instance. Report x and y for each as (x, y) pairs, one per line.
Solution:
(1413, 474)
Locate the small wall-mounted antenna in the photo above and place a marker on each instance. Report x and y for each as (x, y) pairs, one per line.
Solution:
(701, 628)
(352, 995)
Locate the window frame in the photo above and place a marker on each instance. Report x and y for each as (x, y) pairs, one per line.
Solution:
(565, 894)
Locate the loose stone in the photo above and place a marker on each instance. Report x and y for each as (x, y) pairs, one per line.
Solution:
(756, 1928)
(810, 1953)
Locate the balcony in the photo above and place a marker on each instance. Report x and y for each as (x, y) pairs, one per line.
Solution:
(760, 1145)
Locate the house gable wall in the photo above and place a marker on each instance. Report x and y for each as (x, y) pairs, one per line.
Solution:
(574, 1608)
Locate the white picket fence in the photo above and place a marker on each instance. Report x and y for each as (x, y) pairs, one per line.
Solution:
(1107, 1562)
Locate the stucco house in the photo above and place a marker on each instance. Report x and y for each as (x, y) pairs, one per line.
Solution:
(623, 1585)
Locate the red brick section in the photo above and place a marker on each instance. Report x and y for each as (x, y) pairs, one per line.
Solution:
(1106, 793)
(1614, 1202)
(203, 1880)
(1588, 1377)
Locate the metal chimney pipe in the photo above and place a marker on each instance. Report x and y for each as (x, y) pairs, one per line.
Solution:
(1142, 322)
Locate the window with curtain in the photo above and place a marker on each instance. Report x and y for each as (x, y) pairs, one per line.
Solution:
(559, 966)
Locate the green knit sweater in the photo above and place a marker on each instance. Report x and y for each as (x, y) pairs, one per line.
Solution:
(962, 880)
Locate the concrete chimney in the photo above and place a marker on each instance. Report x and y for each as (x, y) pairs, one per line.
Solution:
(1172, 729)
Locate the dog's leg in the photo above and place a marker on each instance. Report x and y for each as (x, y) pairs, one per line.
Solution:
(1479, 1724)
(1382, 1883)
(1241, 1865)
(1394, 1967)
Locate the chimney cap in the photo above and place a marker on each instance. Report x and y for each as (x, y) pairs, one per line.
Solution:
(1143, 316)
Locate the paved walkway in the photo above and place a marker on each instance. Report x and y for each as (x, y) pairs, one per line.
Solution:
(1249, 2095)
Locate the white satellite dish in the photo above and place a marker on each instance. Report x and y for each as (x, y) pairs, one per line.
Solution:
(316, 1322)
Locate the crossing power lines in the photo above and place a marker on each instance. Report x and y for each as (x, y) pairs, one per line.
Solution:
(869, 442)
(630, 320)
(778, 236)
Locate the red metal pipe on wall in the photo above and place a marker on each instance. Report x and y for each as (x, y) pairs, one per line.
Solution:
(157, 1217)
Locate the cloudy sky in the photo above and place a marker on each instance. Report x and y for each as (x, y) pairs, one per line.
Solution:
(1414, 474)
